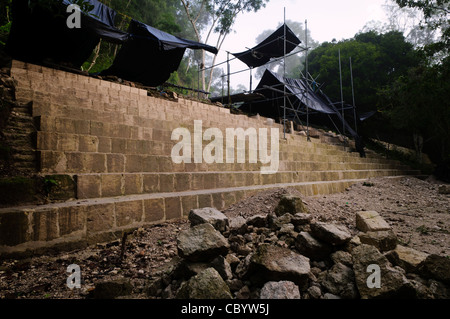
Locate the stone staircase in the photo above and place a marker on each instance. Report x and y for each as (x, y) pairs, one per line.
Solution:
(112, 145)
(20, 132)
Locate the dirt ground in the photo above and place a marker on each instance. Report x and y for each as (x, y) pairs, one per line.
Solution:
(419, 215)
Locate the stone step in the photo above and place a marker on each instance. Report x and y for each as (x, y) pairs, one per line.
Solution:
(111, 185)
(97, 220)
(79, 162)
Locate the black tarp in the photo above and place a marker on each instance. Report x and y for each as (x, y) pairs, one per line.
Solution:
(298, 96)
(41, 34)
(151, 55)
(271, 47)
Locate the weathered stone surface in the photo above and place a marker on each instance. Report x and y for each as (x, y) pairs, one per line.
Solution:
(342, 257)
(208, 215)
(280, 290)
(273, 263)
(436, 267)
(314, 292)
(276, 223)
(238, 224)
(408, 258)
(340, 281)
(111, 289)
(223, 267)
(257, 221)
(329, 233)
(206, 285)
(394, 284)
(290, 204)
(201, 243)
(370, 221)
(384, 240)
(300, 219)
(311, 247)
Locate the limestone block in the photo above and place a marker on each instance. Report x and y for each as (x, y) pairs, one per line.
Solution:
(370, 221)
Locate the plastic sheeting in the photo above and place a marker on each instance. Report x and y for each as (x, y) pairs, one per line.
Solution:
(272, 47)
(151, 55)
(41, 34)
(298, 96)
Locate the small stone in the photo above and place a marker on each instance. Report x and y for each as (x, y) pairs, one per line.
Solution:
(300, 219)
(329, 233)
(280, 290)
(206, 285)
(223, 267)
(201, 243)
(208, 215)
(290, 204)
(310, 247)
(238, 225)
(315, 292)
(342, 257)
(257, 221)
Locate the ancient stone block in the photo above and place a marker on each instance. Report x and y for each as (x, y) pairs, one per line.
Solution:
(89, 186)
(370, 221)
(128, 212)
(111, 185)
(100, 217)
(172, 208)
(154, 210)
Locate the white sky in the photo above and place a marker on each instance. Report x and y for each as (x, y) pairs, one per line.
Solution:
(327, 19)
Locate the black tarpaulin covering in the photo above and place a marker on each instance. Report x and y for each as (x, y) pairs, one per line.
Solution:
(298, 97)
(272, 47)
(41, 34)
(151, 55)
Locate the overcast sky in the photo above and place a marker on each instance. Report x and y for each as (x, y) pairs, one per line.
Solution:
(327, 20)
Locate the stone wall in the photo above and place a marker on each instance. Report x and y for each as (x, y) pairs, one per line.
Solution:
(108, 146)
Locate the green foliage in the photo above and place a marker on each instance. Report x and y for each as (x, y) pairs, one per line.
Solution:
(418, 102)
(436, 14)
(377, 59)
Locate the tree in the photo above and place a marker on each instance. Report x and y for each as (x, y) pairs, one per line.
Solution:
(215, 17)
(377, 59)
(436, 17)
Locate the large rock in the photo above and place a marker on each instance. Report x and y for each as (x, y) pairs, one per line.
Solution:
(206, 285)
(340, 281)
(408, 258)
(370, 221)
(384, 240)
(280, 290)
(436, 267)
(290, 204)
(209, 215)
(201, 243)
(274, 263)
(329, 233)
(311, 247)
(393, 283)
